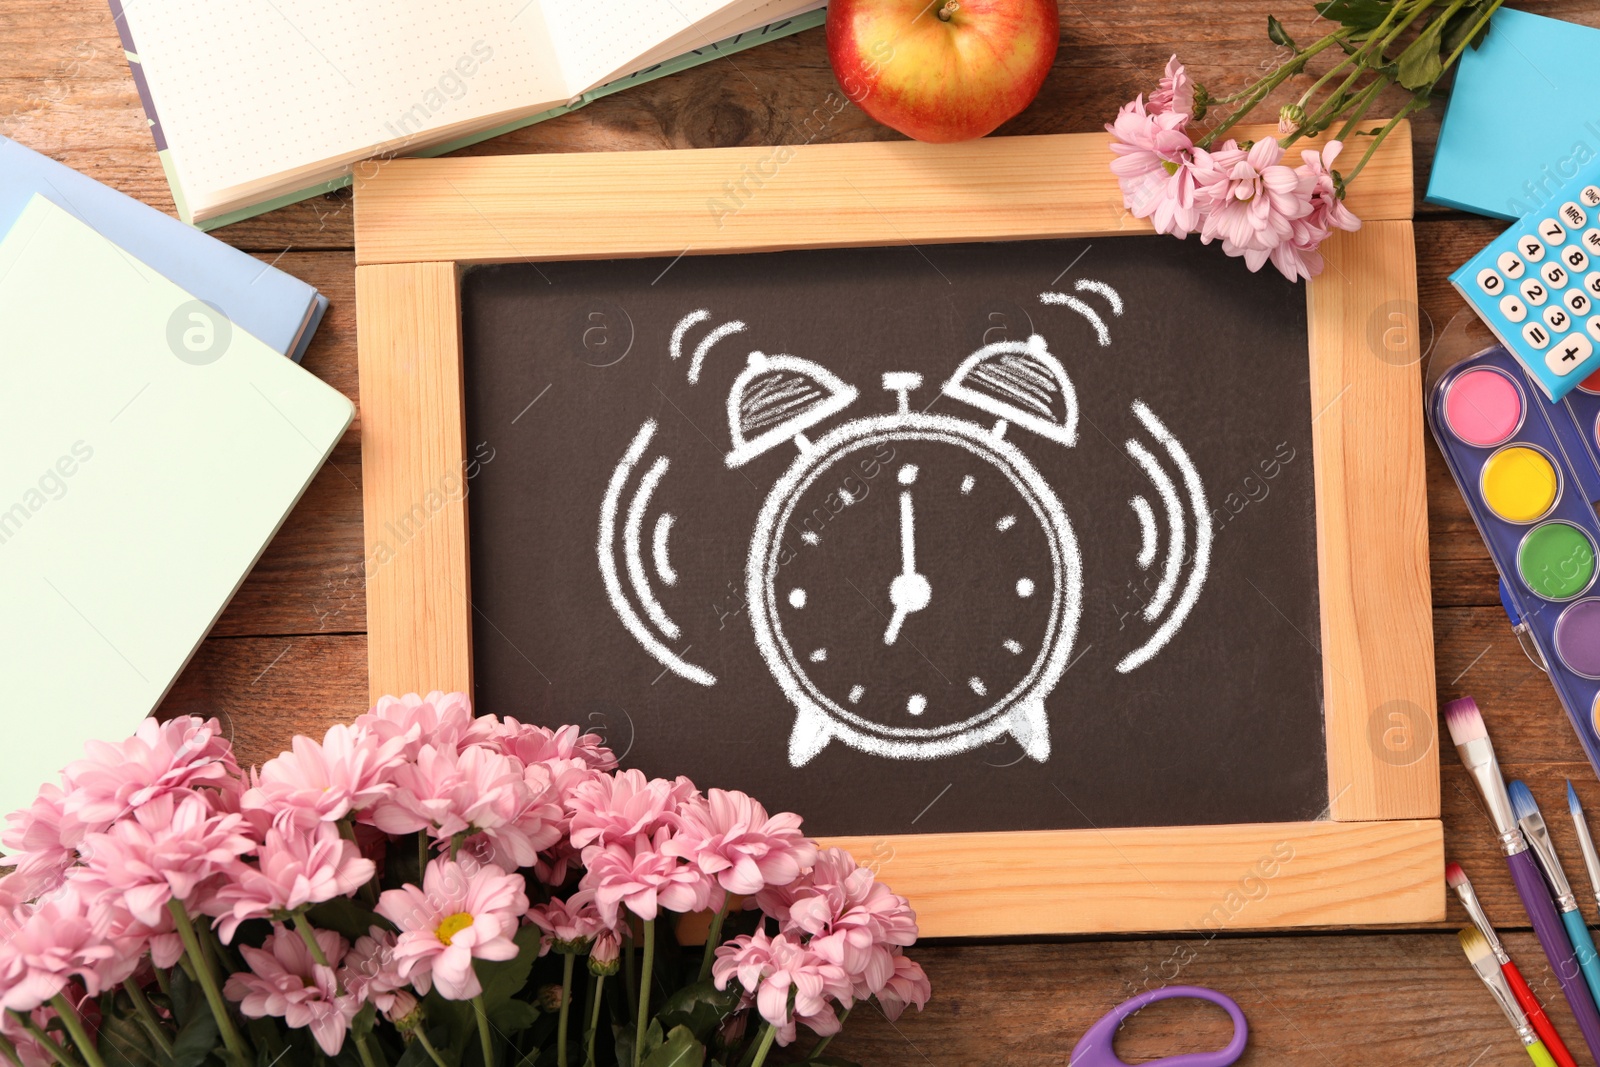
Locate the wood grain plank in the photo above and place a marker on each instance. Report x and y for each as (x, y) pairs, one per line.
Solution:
(479, 209)
(413, 457)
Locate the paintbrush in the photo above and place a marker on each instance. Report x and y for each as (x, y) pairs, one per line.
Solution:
(1457, 880)
(1477, 755)
(1590, 859)
(1483, 961)
(1526, 809)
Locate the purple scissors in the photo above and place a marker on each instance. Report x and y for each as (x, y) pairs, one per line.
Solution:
(1094, 1049)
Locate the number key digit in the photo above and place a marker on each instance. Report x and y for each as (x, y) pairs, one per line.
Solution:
(1556, 319)
(1553, 274)
(1512, 267)
(1534, 293)
(1489, 281)
(1552, 232)
(1532, 248)
(1577, 301)
(1574, 258)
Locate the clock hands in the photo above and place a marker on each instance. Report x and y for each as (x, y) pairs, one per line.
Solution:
(909, 591)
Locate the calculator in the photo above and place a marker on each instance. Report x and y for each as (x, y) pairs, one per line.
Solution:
(1537, 286)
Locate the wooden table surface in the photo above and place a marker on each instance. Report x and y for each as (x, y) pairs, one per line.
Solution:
(289, 654)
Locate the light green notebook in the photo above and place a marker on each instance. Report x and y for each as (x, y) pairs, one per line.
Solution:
(147, 455)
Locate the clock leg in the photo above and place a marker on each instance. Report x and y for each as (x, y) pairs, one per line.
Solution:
(812, 732)
(1031, 728)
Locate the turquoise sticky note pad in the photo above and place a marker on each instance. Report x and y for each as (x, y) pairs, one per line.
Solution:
(1523, 117)
(147, 455)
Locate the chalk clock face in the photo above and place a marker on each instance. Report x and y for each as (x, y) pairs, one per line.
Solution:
(915, 584)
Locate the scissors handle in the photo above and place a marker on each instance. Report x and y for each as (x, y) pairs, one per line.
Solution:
(1094, 1049)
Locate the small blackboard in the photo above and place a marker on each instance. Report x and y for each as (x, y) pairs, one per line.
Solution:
(1032, 527)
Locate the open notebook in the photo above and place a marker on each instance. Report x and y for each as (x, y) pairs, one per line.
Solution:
(257, 104)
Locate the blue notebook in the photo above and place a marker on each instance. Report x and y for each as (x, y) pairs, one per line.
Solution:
(1523, 117)
(276, 308)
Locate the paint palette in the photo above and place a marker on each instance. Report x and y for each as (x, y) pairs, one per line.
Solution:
(1529, 470)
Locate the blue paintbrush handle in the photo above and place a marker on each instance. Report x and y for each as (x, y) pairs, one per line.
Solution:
(1583, 945)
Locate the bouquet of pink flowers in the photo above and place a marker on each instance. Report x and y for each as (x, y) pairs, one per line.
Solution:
(418, 890)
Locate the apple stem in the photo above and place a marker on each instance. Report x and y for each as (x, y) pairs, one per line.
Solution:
(949, 9)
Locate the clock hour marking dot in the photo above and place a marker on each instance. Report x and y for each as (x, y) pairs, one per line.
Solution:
(908, 474)
(819, 655)
(917, 704)
(1012, 645)
(967, 483)
(797, 598)
(1024, 587)
(1005, 523)
(856, 693)
(811, 537)
(977, 685)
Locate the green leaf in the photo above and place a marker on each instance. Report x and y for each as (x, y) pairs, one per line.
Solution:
(680, 1049)
(504, 979)
(622, 1041)
(346, 917)
(700, 1007)
(1356, 14)
(1278, 35)
(417, 1056)
(454, 1015)
(1459, 25)
(364, 1020)
(123, 1043)
(195, 1041)
(513, 1017)
(1419, 65)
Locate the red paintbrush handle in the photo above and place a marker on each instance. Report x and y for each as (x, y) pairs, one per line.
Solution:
(1541, 1022)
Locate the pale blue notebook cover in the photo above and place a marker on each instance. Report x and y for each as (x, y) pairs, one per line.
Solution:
(1523, 117)
(276, 308)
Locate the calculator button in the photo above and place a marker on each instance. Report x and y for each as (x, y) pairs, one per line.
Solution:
(1569, 354)
(1550, 272)
(1572, 215)
(1574, 258)
(1590, 195)
(1552, 233)
(1534, 292)
(1512, 267)
(1531, 247)
(1591, 241)
(1557, 319)
(1593, 326)
(1514, 309)
(1535, 335)
(1490, 282)
(1577, 301)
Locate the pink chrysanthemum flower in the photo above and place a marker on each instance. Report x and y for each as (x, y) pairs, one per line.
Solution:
(285, 981)
(778, 970)
(349, 771)
(624, 805)
(29, 1051)
(461, 913)
(571, 925)
(43, 835)
(537, 744)
(731, 837)
(297, 867)
(370, 972)
(159, 758)
(1176, 92)
(1299, 257)
(170, 846)
(438, 719)
(1254, 199)
(643, 877)
(44, 947)
(907, 985)
(1155, 166)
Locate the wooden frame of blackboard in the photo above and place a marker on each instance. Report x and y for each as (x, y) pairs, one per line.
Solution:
(1376, 857)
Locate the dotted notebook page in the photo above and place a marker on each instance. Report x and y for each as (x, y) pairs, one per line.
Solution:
(601, 39)
(250, 91)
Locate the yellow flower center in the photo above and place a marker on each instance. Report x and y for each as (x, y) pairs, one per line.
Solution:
(453, 925)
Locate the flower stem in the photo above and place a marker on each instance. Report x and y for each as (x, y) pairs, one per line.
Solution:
(48, 1043)
(208, 981)
(422, 854)
(308, 934)
(645, 971)
(816, 1050)
(1411, 105)
(163, 981)
(767, 1034)
(566, 1004)
(369, 890)
(481, 1010)
(427, 1046)
(147, 1015)
(1265, 87)
(80, 1036)
(1493, 6)
(594, 1021)
(364, 1052)
(713, 940)
(10, 1051)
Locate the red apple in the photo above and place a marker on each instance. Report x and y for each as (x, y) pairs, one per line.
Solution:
(942, 70)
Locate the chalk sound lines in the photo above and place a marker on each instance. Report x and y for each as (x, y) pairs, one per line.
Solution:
(1148, 534)
(1181, 512)
(680, 333)
(633, 558)
(1020, 382)
(1088, 285)
(658, 547)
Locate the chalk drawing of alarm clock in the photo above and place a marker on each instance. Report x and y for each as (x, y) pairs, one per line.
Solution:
(890, 532)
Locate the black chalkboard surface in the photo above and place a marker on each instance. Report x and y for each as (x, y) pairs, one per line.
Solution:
(908, 540)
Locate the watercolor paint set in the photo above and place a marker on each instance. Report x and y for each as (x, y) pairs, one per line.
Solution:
(1529, 470)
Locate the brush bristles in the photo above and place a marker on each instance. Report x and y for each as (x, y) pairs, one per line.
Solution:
(1454, 876)
(1522, 802)
(1475, 945)
(1572, 799)
(1465, 721)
